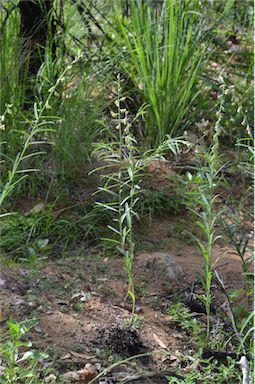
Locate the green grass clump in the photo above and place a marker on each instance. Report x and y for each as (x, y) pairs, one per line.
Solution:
(164, 53)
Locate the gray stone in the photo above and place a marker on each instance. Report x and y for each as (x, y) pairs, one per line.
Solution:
(71, 376)
(162, 264)
(2, 281)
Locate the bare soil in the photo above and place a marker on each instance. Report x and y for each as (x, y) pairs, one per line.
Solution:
(80, 308)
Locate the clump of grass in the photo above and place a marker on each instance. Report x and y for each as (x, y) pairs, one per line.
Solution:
(18, 172)
(32, 144)
(24, 235)
(164, 54)
(78, 130)
(35, 136)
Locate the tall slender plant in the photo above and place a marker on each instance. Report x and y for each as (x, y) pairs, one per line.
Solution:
(201, 196)
(123, 184)
(122, 181)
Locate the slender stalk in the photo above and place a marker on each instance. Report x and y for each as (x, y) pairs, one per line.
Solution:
(202, 203)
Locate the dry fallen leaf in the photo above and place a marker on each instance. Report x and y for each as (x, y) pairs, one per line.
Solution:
(66, 356)
(37, 208)
(192, 367)
(160, 342)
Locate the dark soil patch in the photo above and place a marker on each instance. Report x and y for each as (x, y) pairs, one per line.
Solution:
(124, 341)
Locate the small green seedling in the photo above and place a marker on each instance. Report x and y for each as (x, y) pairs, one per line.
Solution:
(20, 362)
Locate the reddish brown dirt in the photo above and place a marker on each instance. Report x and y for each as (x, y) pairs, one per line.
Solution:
(73, 299)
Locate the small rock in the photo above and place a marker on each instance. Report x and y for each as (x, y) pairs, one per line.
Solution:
(162, 264)
(2, 282)
(19, 302)
(71, 376)
(50, 379)
(83, 376)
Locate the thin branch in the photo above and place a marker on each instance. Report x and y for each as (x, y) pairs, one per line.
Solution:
(230, 311)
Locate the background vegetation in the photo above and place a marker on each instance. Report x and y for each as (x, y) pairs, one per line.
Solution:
(185, 69)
